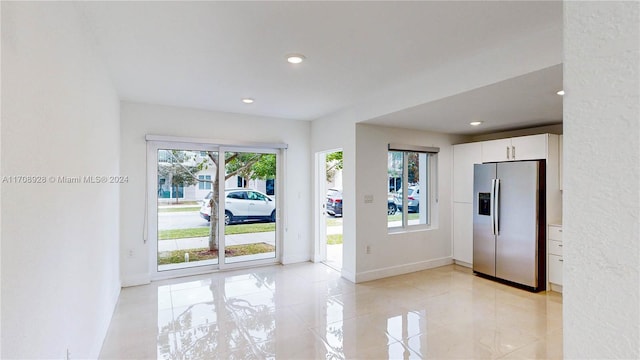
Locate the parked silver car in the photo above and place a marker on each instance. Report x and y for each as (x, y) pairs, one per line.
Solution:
(413, 199)
(243, 205)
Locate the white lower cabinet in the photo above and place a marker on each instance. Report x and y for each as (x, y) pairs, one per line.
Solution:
(555, 255)
(555, 269)
(463, 232)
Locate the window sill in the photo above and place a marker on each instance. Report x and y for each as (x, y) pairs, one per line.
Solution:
(410, 229)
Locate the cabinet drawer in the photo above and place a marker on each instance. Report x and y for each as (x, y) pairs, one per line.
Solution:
(555, 269)
(555, 247)
(555, 233)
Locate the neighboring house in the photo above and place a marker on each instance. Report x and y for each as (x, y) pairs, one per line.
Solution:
(336, 181)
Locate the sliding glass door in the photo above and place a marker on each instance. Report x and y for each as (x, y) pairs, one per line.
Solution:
(250, 215)
(214, 207)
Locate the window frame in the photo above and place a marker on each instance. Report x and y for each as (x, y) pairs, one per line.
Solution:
(204, 182)
(430, 187)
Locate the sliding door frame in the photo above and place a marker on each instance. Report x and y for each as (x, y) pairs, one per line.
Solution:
(155, 143)
(222, 264)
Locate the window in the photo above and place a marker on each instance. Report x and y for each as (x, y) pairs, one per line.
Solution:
(412, 192)
(257, 196)
(270, 185)
(237, 195)
(163, 156)
(204, 185)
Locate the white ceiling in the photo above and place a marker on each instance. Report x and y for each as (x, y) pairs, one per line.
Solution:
(520, 102)
(209, 55)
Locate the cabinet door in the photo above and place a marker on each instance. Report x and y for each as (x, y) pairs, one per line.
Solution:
(496, 150)
(464, 156)
(463, 232)
(532, 147)
(555, 269)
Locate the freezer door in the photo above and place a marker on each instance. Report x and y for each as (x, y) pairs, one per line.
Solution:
(517, 240)
(484, 240)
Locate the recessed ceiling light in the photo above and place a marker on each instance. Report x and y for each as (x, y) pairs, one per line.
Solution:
(475, 123)
(295, 58)
(561, 92)
(247, 100)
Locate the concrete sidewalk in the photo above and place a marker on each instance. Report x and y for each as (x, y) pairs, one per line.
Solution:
(268, 237)
(166, 206)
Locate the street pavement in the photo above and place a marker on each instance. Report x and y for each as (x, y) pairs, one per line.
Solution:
(180, 220)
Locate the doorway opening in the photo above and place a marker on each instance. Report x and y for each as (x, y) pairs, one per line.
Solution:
(330, 167)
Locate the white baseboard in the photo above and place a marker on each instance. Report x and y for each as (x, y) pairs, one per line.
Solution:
(401, 269)
(463, 263)
(348, 275)
(135, 280)
(556, 288)
(287, 260)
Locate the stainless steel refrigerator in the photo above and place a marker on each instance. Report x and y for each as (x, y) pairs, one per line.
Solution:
(509, 222)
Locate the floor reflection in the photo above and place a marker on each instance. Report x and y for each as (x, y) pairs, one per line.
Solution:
(308, 311)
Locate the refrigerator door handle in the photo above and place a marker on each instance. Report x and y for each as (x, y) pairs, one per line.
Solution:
(496, 206)
(492, 210)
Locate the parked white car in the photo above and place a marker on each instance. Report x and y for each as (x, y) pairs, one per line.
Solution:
(243, 205)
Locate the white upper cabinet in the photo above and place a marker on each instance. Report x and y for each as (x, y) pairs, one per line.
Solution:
(464, 156)
(532, 147)
(529, 147)
(496, 150)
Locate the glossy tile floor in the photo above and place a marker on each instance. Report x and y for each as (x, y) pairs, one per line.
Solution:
(306, 311)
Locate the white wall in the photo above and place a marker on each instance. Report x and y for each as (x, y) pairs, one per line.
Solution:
(138, 120)
(398, 253)
(60, 279)
(1, 116)
(601, 180)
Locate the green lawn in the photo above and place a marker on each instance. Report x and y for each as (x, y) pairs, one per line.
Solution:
(179, 209)
(177, 256)
(334, 239)
(204, 231)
